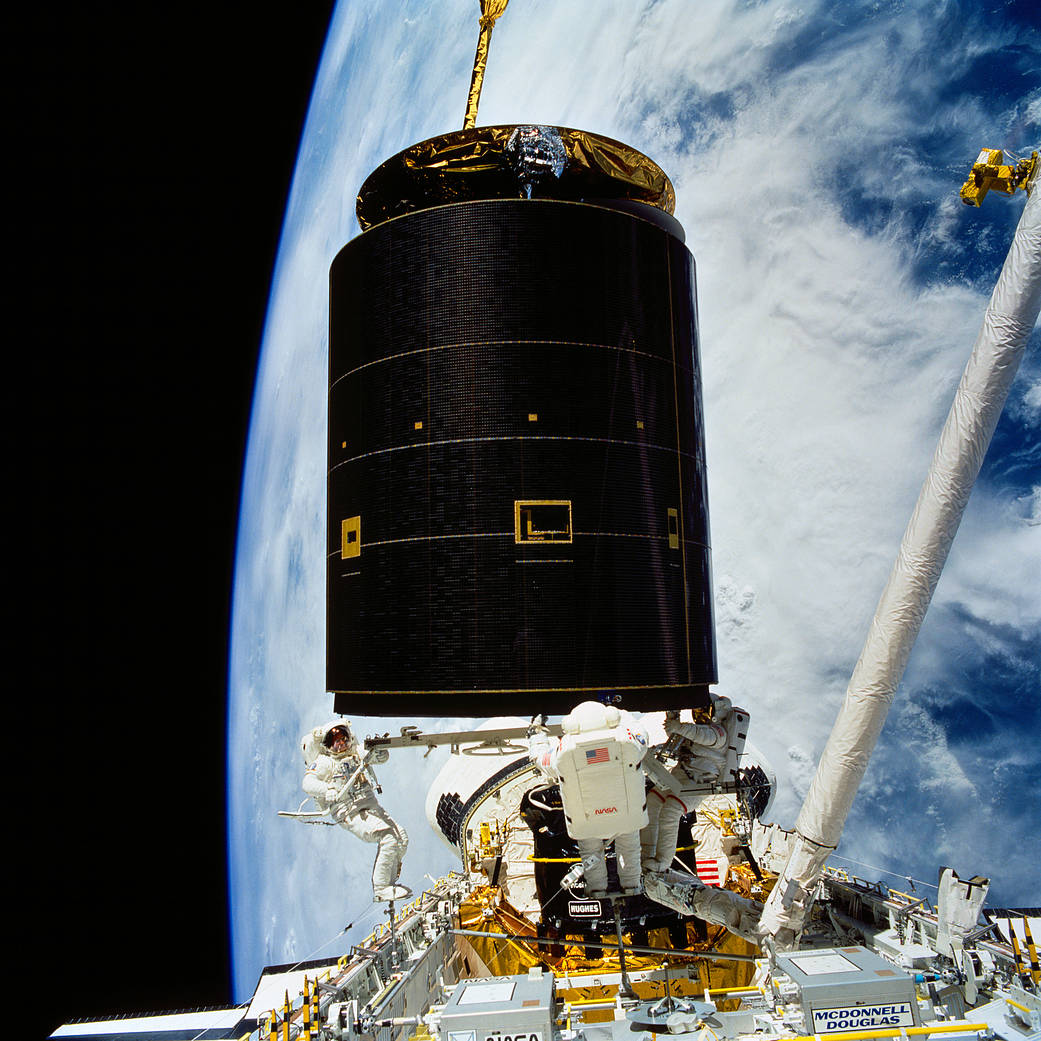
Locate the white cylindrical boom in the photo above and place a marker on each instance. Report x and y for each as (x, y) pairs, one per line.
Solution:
(980, 397)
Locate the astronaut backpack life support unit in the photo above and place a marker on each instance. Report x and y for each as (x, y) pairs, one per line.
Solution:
(597, 765)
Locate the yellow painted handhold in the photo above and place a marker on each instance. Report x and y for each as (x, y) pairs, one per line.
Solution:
(990, 172)
(350, 537)
(1016, 1004)
(674, 528)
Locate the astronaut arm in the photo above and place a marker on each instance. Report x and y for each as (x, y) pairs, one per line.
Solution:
(542, 748)
(315, 786)
(321, 782)
(706, 735)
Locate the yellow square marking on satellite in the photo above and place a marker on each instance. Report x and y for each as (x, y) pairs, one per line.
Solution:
(639, 424)
(674, 529)
(419, 424)
(344, 444)
(350, 538)
(533, 417)
(542, 520)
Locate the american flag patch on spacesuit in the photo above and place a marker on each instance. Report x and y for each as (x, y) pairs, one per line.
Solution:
(711, 870)
(597, 755)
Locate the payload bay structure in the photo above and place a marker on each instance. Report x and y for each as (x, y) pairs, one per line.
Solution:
(440, 973)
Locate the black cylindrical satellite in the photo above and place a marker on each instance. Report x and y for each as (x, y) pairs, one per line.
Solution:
(518, 517)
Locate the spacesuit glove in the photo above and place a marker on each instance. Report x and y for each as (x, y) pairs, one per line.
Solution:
(673, 726)
(537, 725)
(380, 755)
(332, 794)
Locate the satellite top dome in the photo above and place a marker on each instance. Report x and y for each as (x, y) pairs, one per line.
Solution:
(512, 162)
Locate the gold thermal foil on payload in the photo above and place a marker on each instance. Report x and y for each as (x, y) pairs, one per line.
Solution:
(468, 165)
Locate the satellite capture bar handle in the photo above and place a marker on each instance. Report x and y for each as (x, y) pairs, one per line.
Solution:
(503, 739)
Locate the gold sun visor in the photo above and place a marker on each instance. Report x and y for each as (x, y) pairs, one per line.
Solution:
(511, 162)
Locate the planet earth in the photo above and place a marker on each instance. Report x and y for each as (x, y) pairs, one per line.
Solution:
(816, 153)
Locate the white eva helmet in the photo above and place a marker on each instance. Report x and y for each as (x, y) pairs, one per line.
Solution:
(590, 715)
(328, 736)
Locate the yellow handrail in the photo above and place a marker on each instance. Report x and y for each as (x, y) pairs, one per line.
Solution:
(939, 1028)
(1016, 1004)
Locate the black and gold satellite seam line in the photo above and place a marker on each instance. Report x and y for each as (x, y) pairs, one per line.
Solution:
(513, 437)
(512, 535)
(435, 538)
(517, 690)
(500, 343)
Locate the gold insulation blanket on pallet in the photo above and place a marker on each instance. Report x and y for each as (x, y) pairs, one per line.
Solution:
(486, 911)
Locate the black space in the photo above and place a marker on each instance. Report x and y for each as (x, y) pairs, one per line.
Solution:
(159, 147)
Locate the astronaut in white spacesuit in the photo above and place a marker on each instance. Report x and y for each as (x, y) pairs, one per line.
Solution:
(597, 765)
(706, 755)
(338, 779)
